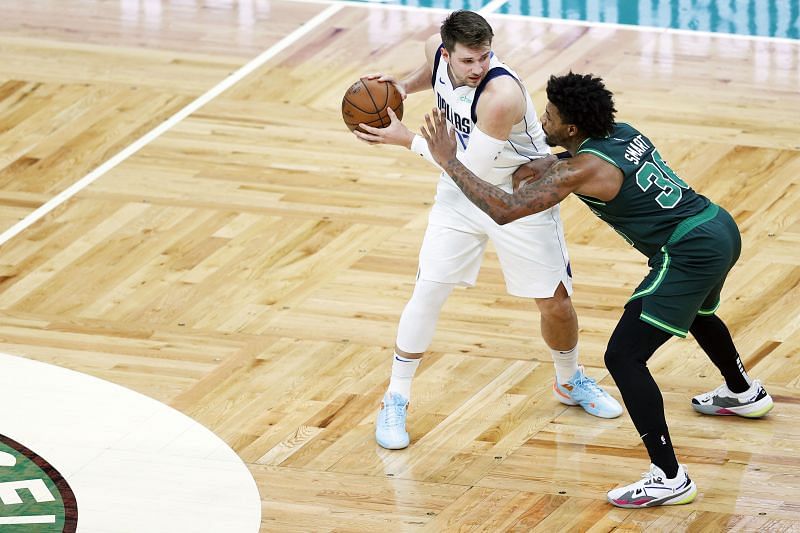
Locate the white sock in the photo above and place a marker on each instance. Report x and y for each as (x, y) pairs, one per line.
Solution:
(403, 370)
(566, 362)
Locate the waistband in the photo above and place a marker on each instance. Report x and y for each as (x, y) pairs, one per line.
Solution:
(693, 221)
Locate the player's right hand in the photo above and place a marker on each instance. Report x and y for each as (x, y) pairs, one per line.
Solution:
(531, 171)
(394, 133)
(387, 78)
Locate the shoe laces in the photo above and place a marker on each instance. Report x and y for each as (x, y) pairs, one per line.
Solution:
(589, 385)
(394, 413)
(716, 392)
(652, 477)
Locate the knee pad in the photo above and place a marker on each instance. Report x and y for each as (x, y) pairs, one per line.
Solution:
(418, 321)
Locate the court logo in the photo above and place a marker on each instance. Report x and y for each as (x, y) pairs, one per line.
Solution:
(33, 492)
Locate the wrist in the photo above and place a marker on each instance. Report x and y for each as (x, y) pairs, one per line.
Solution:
(416, 143)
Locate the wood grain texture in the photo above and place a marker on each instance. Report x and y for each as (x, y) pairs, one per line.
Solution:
(248, 267)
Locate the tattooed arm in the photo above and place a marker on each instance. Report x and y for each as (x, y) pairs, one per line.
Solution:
(556, 184)
(529, 199)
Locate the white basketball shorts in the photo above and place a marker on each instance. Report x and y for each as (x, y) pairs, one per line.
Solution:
(532, 250)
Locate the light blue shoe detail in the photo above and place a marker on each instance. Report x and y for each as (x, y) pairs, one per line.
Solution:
(390, 428)
(582, 390)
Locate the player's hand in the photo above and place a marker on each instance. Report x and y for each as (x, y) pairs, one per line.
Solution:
(387, 78)
(394, 133)
(532, 171)
(441, 139)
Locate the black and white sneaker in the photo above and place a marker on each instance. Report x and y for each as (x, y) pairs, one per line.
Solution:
(655, 489)
(752, 403)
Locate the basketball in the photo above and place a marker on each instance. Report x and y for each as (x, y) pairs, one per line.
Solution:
(366, 102)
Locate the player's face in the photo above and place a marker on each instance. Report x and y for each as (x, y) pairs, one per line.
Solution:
(468, 66)
(555, 131)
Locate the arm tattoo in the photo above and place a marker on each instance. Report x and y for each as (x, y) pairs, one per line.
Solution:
(503, 207)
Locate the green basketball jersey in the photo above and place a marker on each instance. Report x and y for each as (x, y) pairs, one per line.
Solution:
(653, 200)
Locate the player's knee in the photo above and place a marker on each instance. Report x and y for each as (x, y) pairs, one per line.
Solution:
(558, 308)
(430, 294)
(616, 361)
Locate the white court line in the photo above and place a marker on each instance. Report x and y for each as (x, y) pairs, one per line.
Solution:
(493, 5)
(137, 145)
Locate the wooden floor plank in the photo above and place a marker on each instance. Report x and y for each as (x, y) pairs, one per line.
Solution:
(248, 267)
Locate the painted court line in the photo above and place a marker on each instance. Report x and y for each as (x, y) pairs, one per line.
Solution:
(492, 6)
(137, 145)
(491, 9)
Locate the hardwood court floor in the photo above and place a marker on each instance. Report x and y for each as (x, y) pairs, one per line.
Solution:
(248, 266)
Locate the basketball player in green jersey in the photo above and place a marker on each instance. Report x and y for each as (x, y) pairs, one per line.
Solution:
(691, 244)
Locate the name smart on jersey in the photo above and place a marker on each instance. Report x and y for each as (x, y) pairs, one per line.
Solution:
(636, 149)
(462, 124)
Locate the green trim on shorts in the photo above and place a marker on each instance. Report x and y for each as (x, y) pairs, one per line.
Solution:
(658, 280)
(710, 311)
(688, 224)
(653, 321)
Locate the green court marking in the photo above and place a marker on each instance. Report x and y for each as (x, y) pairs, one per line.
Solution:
(30, 497)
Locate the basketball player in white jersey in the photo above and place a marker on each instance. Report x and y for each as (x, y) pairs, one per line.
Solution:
(497, 130)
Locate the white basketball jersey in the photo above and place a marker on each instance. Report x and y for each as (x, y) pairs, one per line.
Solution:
(526, 141)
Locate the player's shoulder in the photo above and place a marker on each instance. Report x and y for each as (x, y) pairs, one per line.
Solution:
(502, 93)
(432, 45)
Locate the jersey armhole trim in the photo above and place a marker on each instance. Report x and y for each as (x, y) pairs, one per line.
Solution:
(436, 59)
(601, 155)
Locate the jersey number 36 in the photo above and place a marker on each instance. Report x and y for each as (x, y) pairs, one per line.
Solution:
(658, 173)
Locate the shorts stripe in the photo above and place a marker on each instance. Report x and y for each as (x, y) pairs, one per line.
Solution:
(653, 321)
(661, 274)
(709, 311)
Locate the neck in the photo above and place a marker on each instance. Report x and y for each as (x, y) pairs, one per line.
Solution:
(573, 145)
(453, 80)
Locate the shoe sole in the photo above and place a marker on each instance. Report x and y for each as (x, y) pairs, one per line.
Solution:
(687, 496)
(396, 446)
(753, 410)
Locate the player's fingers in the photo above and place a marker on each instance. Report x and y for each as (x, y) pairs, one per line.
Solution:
(373, 76)
(366, 136)
(439, 119)
(521, 183)
(424, 133)
(369, 129)
(392, 115)
(431, 127)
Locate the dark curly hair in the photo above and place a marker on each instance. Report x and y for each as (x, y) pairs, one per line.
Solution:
(583, 100)
(467, 28)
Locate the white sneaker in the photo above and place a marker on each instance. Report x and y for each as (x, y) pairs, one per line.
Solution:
(752, 403)
(655, 489)
(582, 390)
(390, 427)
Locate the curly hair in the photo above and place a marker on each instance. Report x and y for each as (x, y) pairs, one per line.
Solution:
(583, 100)
(467, 28)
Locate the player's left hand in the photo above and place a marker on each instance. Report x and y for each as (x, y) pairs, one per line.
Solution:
(395, 133)
(441, 139)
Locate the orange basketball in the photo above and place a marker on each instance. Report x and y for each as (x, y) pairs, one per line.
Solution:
(366, 101)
